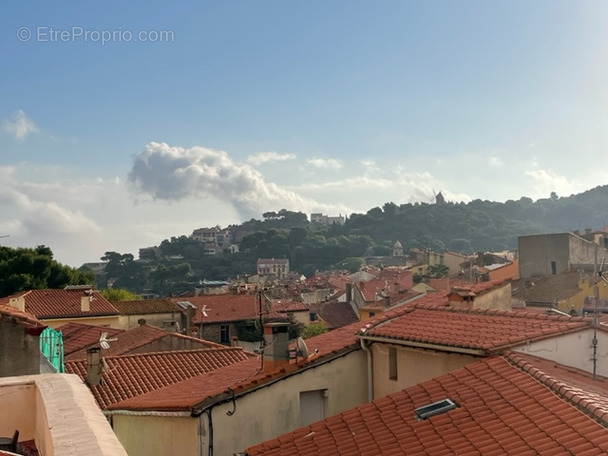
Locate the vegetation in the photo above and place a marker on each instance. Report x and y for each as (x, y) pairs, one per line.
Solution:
(314, 329)
(28, 269)
(478, 226)
(118, 294)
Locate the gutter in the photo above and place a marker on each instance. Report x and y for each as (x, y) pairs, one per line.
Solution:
(146, 413)
(430, 346)
(370, 376)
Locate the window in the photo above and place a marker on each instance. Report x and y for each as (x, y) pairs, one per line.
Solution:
(392, 363)
(224, 334)
(311, 406)
(553, 267)
(371, 314)
(313, 316)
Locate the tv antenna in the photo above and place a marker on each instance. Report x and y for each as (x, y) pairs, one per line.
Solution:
(103, 340)
(600, 272)
(204, 310)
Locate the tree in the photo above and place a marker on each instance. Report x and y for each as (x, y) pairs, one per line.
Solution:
(314, 329)
(118, 294)
(438, 270)
(28, 269)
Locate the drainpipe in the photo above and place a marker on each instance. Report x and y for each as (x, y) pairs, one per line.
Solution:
(370, 377)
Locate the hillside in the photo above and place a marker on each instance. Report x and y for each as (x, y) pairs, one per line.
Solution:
(459, 227)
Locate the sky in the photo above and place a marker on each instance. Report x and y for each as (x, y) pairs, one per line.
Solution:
(126, 123)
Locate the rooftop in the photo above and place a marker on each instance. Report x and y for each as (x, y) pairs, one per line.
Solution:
(127, 376)
(145, 306)
(501, 409)
(222, 308)
(484, 330)
(62, 303)
(136, 339)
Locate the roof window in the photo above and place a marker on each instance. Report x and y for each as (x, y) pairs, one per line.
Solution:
(436, 408)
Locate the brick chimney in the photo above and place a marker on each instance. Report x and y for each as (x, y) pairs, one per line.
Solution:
(276, 345)
(94, 366)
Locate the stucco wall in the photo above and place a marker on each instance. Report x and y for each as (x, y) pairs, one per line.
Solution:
(498, 298)
(536, 253)
(275, 410)
(158, 320)
(157, 435)
(20, 399)
(258, 416)
(111, 321)
(19, 352)
(413, 366)
(573, 350)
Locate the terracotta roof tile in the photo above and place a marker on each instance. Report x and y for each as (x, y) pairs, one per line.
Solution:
(79, 336)
(136, 339)
(22, 318)
(521, 420)
(472, 328)
(186, 394)
(64, 303)
(336, 313)
(222, 308)
(127, 376)
(146, 306)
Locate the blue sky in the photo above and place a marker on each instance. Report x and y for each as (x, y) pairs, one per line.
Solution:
(233, 108)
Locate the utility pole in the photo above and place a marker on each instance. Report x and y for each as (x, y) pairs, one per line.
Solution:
(596, 296)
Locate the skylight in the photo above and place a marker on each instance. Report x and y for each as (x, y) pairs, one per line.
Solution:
(436, 408)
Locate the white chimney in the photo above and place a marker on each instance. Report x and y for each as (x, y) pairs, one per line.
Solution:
(85, 303)
(18, 303)
(276, 345)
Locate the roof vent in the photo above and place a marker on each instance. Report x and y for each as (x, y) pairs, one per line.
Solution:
(436, 408)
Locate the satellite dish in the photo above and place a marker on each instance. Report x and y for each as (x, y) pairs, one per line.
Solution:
(103, 340)
(302, 349)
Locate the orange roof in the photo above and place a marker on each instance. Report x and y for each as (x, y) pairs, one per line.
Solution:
(64, 303)
(146, 306)
(136, 339)
(477, 329)
(127, 376)
(79, 336)
(23, 318)
(186, 394)
(501, 409)
(223, 308)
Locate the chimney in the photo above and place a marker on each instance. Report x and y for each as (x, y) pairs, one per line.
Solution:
(276, 345)
(85, 303)
(349, 292)
(94, 366)
(18, 303)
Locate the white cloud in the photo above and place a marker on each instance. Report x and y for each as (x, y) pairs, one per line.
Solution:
(264, 157)
(176, 173)
(19, 125)
(324, 163)
(546, 181)
(495, 162)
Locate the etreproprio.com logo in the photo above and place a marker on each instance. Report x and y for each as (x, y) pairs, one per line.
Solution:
(45, 34)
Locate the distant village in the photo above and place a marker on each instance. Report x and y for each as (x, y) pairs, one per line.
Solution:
(417, 353)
